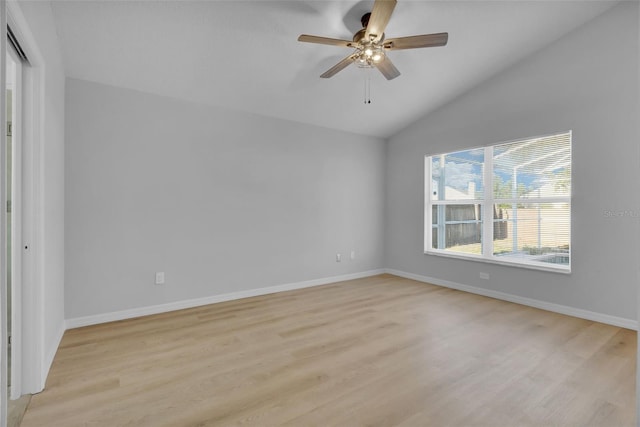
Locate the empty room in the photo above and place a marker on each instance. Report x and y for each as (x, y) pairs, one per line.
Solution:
(315, 213)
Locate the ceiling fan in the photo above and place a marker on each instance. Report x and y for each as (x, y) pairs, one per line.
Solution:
(370, 44)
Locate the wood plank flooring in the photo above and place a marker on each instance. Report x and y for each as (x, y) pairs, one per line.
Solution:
(16, 409)
(377, 351)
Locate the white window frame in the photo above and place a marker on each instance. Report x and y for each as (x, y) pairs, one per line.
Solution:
(486, 204)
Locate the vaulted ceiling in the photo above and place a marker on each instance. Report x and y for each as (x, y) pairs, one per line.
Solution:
(243, 55)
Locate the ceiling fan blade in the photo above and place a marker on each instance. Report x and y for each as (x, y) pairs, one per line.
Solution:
(387, 68)
(413, 42)
(380, 15)
(338, 67)
(324, 40)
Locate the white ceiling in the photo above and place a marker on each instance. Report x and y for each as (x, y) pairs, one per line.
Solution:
(243, 55)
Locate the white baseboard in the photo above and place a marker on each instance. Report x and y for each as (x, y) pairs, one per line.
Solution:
(556, 308)
(180, 305)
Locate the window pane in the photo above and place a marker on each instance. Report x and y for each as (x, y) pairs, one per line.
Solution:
(538, 232)
(534, 168)
(457, 228)
(457, 176)
(434, 238)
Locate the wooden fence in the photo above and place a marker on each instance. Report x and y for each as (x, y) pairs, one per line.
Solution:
(539, 226)
(470, 231)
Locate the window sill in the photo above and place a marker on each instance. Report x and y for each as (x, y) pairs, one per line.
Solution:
(530, 266)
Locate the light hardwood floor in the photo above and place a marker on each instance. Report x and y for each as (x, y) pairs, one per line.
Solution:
(16, 409)
(376, 351)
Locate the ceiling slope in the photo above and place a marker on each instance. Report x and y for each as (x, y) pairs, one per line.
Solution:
(243, 55)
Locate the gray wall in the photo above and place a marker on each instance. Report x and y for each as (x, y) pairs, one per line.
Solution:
(218, 200)
(586, 82)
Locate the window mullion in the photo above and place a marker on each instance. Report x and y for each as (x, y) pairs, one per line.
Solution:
(487, 208)
(428, 191)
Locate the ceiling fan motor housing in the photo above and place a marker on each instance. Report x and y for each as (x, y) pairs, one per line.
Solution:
(358, 37)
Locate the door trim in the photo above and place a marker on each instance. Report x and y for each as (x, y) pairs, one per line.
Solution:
(16, 232)
(34, 363)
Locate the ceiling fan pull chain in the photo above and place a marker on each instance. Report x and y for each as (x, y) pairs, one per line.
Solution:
(364, 95)
(367, 87)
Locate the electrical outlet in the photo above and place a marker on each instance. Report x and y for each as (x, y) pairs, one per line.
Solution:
(160, 278)
(484, 276)
(338, 257)
(353, 255)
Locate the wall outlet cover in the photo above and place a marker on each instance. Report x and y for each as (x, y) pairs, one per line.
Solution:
(160, 278)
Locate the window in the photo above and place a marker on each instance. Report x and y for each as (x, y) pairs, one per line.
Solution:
(508, 203)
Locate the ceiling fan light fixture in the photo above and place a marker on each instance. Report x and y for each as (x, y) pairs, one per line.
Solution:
(363, 62)
(369, 55)
(378, 55)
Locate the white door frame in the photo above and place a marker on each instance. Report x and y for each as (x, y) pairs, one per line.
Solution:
(34, 363)
(16, 232)
(3, 223)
